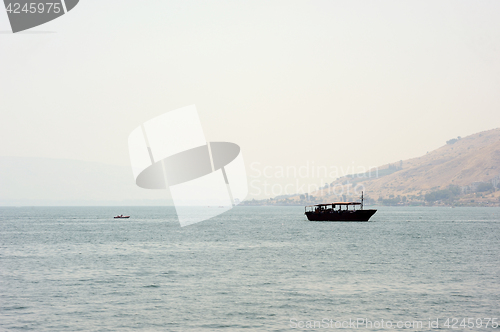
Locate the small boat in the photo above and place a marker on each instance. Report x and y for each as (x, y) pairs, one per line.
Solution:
(330, 212)
(121, 217)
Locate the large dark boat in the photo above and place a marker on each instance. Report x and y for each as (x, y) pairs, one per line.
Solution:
(335, 212)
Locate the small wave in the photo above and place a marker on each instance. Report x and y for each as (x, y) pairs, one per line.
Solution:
(15, 308)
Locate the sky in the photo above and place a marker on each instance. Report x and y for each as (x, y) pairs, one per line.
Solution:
(293, 83)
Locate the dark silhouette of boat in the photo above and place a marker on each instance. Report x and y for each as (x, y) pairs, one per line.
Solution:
(121, 217)
(335, 212)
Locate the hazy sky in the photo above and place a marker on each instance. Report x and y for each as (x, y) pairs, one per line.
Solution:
(331, 82)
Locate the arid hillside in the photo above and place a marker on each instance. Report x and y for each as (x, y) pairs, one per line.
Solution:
(470, 166)
(475, 158)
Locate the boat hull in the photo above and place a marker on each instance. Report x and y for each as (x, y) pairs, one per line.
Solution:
(358, 215)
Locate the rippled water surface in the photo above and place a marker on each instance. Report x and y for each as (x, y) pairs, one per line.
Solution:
(252, 268)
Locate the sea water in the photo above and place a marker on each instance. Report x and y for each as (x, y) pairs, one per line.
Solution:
(251, 268)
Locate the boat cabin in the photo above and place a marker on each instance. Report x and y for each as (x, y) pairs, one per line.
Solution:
(338, 207)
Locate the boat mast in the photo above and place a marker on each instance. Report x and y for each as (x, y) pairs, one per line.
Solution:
(361, 200)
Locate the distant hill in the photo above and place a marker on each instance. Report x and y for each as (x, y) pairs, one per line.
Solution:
(465, 171)
(45, 181)
(462, 162)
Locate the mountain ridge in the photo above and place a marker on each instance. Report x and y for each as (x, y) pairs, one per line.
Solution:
(50, 181)
(465, 171)
(475, 158)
